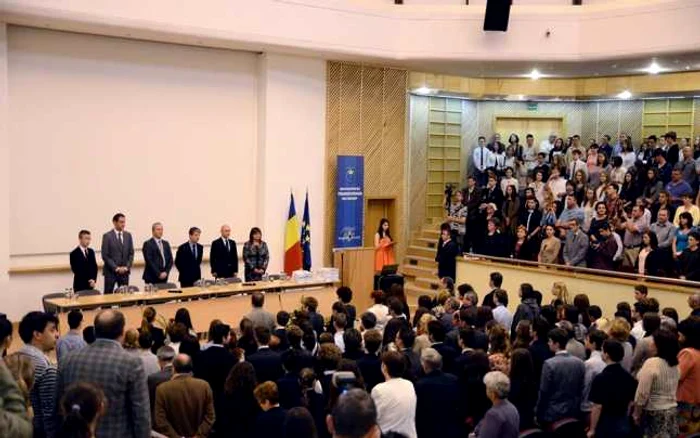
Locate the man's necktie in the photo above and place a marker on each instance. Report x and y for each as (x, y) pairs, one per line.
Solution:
(482, 158)
(162, 254)
(120, 238)
(85, 252)
(227, 247)
(194, 250)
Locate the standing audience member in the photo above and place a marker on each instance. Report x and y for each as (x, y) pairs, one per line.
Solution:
(299, 424)
(14, 417)
(267, 363)
(689, 260)
(149, 360)
(655, 400)
(270, 422)
(495, 282)
(610, 396)
(688, 394)
(258, 315)
(81, 408)
(22, 370)
(528, 309)
(395, 398)
(310, 304)
(119, 374)
(562, 382)
(165, 357)
(354, 416)
(594, 365)
(523, 387)
(502, 420)
(345, 296)
(447, 252)
(241, 407)
(148, 325)
(575, 246)
(73, 340)
(500, 310)
(370, 364)
(39, 332)
(185, 404)
(437, 395)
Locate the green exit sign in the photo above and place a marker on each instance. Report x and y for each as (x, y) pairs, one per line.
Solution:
(532, 106)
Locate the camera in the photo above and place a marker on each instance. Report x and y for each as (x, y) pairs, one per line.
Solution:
(344, 381)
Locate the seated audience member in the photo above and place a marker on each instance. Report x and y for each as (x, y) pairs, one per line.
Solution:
(379, 309)
(241, 406)
(289, 386)
(523, 387)
(550, 247)
(267, 363)
(495, 282)
(258, 315)
(214, 364)
(688, 394)
(437, 395)
(354, 416)
(81, 408)
(280, 332)
(39, 331)
(436, 333)
(611, 393)
(185, 404)
(502, 420)
(655, 399)
(447, 252)
(270, 422)
(165, 357)
(528, 309)
(689, 260)
(345, 296)
(395, 398)
(370, 364)
(575, 245)
(73, 340)
(405, 340)
(500, 310)
(594, 365)
(352, 340)
(603, 250)
(311, 306)
(562, 382)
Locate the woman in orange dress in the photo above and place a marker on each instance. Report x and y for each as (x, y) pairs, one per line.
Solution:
(383, 246)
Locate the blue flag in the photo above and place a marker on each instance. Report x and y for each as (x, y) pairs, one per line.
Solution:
(306, 236)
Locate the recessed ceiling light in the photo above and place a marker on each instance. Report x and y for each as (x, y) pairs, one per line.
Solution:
(654, 68)
(687, 67)
(624, 95)
(534, 74)
(422, 90)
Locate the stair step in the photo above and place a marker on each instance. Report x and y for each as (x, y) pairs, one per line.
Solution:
(416, 271)
(428, 243)
(413, 291)
(430, 234)
(420, 251)
(432, 283)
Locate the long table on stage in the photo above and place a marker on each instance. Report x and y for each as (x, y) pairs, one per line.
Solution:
(228, 303)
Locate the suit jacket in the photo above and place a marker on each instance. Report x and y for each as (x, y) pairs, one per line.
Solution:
(154, 261)
(115, 253)
(122, 378)
(270, 423)
(84, 268)
(184, 407)
(370, 366)
(289, 389)
(494, 195)
(446, 259)
(471, 367)
(213, 366)
(224, 263)
(267, 364)
(153, 381)
(449, 355)
(561, 388)
(437, 396)
(189, 267)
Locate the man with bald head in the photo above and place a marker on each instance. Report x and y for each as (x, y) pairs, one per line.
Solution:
(694, 303)
(158, 257)
(119, 374)
(224, 255)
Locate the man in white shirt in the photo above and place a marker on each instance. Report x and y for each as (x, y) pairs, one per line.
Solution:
(557, 183)
(395, 398)
(577, 164)
(339, 322)
(547, 145)
(501, 313)
(530, 152)
(594, 365)
(483, 159)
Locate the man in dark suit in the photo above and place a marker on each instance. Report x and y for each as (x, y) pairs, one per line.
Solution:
(158, 257)
(267, 363)
(492, 194)
(672, 151)
(370, 364)
(294, 336)
(470, 368)
(214, 364)
(397, 322)
(185, 404)
(165, 355)
(404, 344)
(436, 333)
(83, 263)
(188, 259)
(118, 254)
(270, 422)
(118, 373)
(437, 396)
(223, 255)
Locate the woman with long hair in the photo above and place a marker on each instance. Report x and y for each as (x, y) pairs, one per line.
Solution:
(522, 247)
(560, 293)
(680, 240)
(239, 403)
(523, 386)
(183, 316)
(588, 206)
(579, 181)
(499, 349)
(600, 190)
(655, 400)
(384, 245)
(538, 186)
(22, 370)
(650, 260)
(550, 247)
(628, 190)
(247, 339)
(599, 220)
(511, 207)
(688, 394)
(653, 186)
(256, 256)
(583, 304)
(81, 407)
(148, 325)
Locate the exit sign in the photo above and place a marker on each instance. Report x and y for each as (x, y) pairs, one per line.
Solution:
(532, 106)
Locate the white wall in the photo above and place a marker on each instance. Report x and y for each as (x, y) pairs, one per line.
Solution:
(180, 134)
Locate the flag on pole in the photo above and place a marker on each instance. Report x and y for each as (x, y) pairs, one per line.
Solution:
(292, 246)
(306, 236)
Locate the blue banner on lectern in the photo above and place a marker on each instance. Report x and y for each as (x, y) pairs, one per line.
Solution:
(350, 201)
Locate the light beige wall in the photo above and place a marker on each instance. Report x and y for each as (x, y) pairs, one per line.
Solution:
(602, 291)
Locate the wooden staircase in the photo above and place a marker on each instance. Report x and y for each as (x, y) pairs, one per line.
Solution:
(419, 268)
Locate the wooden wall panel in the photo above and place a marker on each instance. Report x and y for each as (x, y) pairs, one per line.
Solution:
(366, 115)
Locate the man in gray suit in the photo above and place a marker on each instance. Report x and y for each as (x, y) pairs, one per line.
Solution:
(117, 254)
(119, 374)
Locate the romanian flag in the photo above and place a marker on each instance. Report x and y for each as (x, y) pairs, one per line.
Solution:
(306, 236)
(292, 246)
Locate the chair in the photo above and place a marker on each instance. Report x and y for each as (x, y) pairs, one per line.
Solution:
(233, 280)
(161, 286)
(49, 308)
(569, 428)
(532, 433)
(132, 289)
(88, 292)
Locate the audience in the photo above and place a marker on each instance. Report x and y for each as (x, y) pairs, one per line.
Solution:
(270, 422)
(81, 408)
(73, 340)
(239, 403)
(437, 396)
(165, 357)
(185, 404)
(267, 363)
(15, 420)
(259, 316)
(395, 398)
(502, 420)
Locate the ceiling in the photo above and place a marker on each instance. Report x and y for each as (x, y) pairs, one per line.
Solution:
(512, 69)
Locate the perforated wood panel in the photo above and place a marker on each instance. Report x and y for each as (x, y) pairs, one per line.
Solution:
(366, 115)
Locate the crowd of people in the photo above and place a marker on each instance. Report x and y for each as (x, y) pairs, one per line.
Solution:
(454, 366)
(627, 207)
